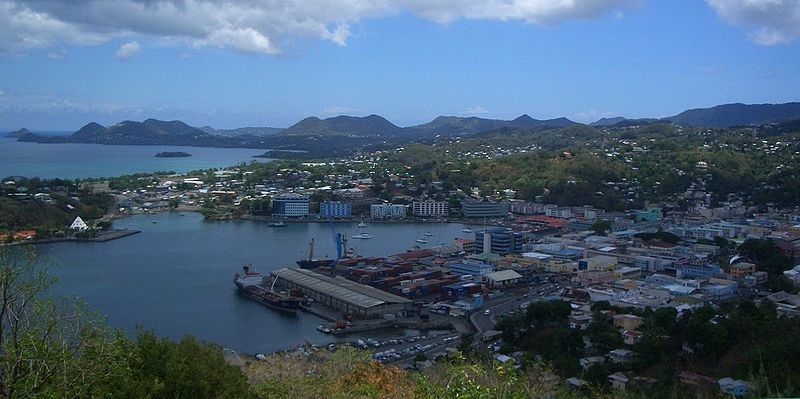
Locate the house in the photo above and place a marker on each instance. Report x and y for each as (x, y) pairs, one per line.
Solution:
(631, 337)
(737, 388)
(590, 361)
(690, 378)
(619, 380)
(627, 321)
(621, 355)
(24, 235)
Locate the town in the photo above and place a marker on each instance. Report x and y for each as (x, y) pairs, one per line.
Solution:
(520, 253)
(607, 271)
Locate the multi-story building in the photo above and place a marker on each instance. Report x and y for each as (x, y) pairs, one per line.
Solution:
(465, 244)
(483, 209)
(388, 211)
(430, 208)
(335, 210)
(471, 268)
(290, 205)
(741, 269)
(501, 241)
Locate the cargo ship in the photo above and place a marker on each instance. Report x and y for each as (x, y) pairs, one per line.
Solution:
(312, 263)
(251, 285)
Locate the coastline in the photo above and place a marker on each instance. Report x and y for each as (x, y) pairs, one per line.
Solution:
(103, 236)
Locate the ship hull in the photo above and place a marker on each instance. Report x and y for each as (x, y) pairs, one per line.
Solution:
(270, 299)
(315, 263)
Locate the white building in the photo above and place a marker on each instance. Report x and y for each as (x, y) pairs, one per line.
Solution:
(79, 225)
(430, 208)
(388, 211)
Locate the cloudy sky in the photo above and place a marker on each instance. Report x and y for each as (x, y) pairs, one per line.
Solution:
(235, 63)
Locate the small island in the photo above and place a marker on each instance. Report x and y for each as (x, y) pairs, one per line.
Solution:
(172, 154)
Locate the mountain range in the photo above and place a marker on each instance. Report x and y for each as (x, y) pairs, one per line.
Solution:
(354, 131)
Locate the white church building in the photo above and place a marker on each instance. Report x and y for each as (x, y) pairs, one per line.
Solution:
(79, 225)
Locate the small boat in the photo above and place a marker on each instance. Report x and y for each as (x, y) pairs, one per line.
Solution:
(323, 329)
(428, 233)
(422, 241)
(279, 223)
(361, 225)
(466, 231)
(363, 236)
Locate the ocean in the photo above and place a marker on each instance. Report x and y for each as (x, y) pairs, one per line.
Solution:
(176, 276)
(79, 161)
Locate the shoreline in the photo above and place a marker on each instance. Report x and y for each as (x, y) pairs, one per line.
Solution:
(106, 235)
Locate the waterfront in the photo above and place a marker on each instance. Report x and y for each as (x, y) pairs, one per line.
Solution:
(175, 277)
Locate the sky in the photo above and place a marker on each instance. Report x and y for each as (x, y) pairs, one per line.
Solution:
(238, 63)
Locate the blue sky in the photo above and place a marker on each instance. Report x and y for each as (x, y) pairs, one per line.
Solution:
(229, 64)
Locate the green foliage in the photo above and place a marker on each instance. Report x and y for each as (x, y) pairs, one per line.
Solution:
(184, 369)
(51, 347)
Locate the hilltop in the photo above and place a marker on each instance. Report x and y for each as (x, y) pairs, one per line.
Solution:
(346, 135)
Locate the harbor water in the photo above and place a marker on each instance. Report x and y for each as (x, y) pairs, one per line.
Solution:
(175, 277)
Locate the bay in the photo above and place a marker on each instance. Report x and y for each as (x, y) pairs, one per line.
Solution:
(175, 277)
(78, 161)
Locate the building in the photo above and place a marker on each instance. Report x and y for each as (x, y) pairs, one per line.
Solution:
(737, 388)
(741, 269)
(468, 268)
(503, 278)
(466, 245)
(501, 241)
(692, 271)
(484, 209)
(627, 321)
(599, 262)
(388, 211)
(335, 210)
(651, 214)
(361, 301)
(430, 208)
(78, 224)
(290, 205)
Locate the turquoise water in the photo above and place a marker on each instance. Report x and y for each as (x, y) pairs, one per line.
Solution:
(175, 277)
(73, 161)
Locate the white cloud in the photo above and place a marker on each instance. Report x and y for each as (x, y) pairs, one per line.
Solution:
(253, 25)
(774, 21)
(128, 50)
(478, 110)
(335, 110)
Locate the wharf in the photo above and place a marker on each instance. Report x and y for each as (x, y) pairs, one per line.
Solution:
(356, 326)
(113, 235)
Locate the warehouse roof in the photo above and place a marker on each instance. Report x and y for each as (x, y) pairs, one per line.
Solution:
(340, 288)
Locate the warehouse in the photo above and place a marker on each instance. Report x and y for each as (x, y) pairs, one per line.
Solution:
(341, 294)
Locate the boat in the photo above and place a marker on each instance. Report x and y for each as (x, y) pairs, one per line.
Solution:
(428, 233)
(466, 230)
(323, 329)
(422, 241)
(363, 236)
(312, 263)
(279, 223)
(361, 225)
(250, 284)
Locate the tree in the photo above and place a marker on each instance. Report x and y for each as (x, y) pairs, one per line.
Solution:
(601, 227)
(50, 347)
